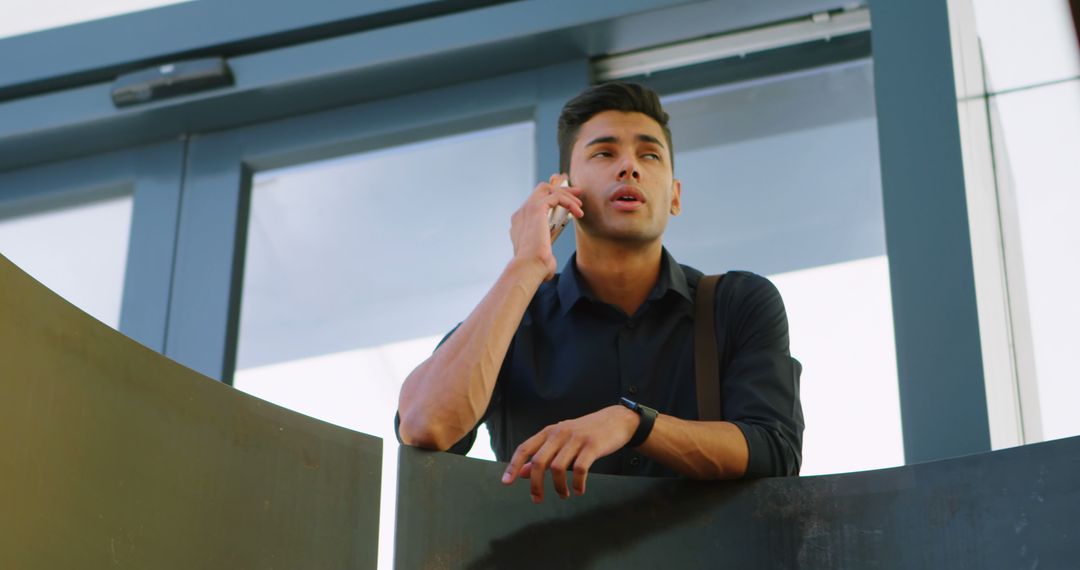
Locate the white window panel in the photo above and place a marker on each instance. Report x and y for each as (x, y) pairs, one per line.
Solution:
(80, 252)
(26, 17)
(1040, 136)
(1026, 42)
(841, 324)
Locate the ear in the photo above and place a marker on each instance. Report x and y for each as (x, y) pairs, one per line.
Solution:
(676, 197)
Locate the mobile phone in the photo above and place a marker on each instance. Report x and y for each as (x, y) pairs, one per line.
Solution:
(558, 217)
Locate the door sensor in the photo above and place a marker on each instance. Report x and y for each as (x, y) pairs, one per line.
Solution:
(170, 80)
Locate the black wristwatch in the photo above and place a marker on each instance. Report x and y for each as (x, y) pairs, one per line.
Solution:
(647, 417)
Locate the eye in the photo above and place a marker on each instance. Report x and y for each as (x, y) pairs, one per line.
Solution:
(651, 156)
(602, 154)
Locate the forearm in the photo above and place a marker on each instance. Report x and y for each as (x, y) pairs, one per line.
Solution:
(444, 397)
(696, 449)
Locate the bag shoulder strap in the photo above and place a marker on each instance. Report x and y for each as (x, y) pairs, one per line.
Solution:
(706, 352)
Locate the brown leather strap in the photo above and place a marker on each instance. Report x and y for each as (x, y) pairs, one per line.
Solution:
(706, 354)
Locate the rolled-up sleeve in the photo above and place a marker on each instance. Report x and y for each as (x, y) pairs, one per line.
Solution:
(464, 445)
(760, 384)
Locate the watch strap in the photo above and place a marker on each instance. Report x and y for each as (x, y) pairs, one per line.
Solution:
(646, 420)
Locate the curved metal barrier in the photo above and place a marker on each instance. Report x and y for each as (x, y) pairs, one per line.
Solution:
(113, 456)
(1010, 509)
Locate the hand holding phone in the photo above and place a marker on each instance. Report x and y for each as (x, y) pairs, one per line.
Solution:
(558, 217)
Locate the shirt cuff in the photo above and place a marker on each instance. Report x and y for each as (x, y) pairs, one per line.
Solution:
(765, 458)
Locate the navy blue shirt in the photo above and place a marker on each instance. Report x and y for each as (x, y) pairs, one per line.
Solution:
(574, 354)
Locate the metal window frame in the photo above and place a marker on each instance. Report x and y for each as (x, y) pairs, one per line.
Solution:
(99, 50)
(152, 175)
(205, 303)
(924, 141)
(292, 77)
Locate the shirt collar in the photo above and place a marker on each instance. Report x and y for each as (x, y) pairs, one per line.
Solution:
(672, 278)
(572, 287)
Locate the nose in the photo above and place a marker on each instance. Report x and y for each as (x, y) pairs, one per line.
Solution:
(630, 169)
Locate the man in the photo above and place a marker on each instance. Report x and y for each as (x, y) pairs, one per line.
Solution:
(544, 359)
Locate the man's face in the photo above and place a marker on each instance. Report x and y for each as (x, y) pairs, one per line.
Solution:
(623, 163)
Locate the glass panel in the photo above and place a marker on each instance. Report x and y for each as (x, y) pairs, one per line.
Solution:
(781, 177)
(1040, 134)
(78, 251)
(357, 266)
(26, 17)
(1025, 43)
(841, 324)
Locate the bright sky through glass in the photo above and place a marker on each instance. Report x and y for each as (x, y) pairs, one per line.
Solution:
(1040, 132)
(23, 16)
(79, 252)
(1026, 42)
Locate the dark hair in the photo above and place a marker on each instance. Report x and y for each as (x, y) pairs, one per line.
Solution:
(614, 96)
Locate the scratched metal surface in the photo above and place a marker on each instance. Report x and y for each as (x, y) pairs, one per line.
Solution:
(112, 456)
(1010, 509)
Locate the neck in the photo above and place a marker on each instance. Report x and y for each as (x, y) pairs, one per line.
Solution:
(620, 274)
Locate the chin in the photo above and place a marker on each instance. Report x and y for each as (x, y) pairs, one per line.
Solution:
(627, 236)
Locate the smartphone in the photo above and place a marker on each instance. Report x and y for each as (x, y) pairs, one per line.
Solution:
(558, 217)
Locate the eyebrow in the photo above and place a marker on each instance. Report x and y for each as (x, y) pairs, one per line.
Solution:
(611, 139)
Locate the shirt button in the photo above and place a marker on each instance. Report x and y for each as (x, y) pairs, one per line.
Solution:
(635, 461)
(633, 389)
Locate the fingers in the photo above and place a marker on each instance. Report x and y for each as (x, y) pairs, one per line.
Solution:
(559, 465)
(566, 200)
(548, 187)
(531, 226)
(551, 442)
(521, 457)
(582, 465)
(570, 202)
(559, 180)
(571, 445)
(549, 194)
(547, 197)
(555, 184)
(573, 194)
(540, 463)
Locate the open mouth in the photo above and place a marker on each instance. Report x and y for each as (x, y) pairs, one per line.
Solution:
(627, 198)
